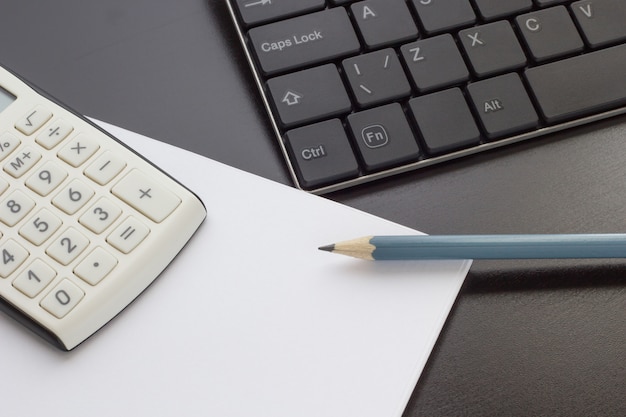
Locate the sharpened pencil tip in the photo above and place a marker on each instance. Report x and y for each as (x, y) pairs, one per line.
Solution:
(327, 248)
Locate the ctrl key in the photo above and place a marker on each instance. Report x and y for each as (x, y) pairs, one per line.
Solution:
(321, 154)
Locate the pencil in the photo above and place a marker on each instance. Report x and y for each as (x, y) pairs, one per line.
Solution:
(483, 247)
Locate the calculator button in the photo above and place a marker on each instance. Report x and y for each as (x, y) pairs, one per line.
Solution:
(40, 227)
(34, 278)
(48, 177)
(8, 143)
(376, 77)
(78, 150)
(22, 162)
(12, 255)
(33, 120)
(105, 168)
(15, 207)
(73, 197)
(100, 216)
(128, 235)
(68, 246)
(54, 133)
(62, 299)
(146, 195)
(96, 266)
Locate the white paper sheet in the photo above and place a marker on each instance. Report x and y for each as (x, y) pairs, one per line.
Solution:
(250, 319)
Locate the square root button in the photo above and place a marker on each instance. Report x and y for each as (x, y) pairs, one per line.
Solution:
(322, 154)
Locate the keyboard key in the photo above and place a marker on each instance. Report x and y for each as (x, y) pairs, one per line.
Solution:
(433, 113)
(494, 9)
(549, 33)
(309, 95)
(601, 21)
(580, 85)
(382, 22)
(492, 48)
(322, 154)
(439, 16)
(304, 40)
(383, 137)
(376, 77)
(503, 105)
(259, 11)
(434, 63)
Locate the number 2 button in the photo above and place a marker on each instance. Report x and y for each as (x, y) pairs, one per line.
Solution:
(68, 246)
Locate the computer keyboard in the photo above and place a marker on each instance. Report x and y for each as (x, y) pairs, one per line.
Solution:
(361, 90)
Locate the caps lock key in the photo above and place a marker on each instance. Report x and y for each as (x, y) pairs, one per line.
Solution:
(303, 40)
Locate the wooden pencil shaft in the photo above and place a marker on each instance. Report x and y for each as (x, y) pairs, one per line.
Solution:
(486, 247)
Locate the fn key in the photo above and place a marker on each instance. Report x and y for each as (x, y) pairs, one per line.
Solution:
(322, 154)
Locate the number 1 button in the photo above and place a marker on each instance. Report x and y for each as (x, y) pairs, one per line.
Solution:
(146, 195)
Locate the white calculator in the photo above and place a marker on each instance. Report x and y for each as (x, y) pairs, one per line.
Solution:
(86, 224)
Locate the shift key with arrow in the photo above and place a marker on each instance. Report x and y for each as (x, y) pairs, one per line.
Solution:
(310, 95)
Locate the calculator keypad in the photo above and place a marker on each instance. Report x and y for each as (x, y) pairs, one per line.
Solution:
(76, 204)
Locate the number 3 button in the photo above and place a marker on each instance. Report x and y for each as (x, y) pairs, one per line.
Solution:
(100, 216)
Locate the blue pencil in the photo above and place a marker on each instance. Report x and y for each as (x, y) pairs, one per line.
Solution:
(483, 247)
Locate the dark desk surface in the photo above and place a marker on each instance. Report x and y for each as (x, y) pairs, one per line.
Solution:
(524, 338)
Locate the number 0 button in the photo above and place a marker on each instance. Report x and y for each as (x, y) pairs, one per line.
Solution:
(146, 195)
(62, 299)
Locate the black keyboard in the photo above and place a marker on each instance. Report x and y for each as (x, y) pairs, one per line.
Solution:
(360, 90)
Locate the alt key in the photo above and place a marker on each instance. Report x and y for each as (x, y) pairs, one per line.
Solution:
(322, 154)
